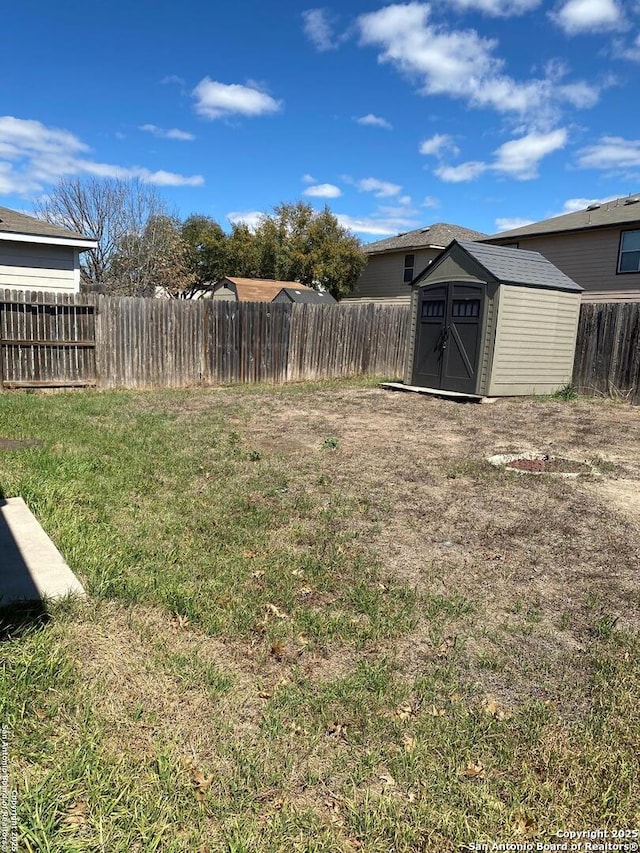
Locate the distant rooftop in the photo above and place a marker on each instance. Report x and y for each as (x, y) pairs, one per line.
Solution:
(13, 222)
(619, 211)
(435, 236)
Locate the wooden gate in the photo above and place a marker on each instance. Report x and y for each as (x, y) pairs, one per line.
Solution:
(47, 340)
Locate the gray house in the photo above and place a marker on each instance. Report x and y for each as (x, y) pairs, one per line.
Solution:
(36, 255)
(599, 247)
(492, 321)
(393, 262)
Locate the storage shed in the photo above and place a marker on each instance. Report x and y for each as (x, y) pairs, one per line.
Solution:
(492, 321)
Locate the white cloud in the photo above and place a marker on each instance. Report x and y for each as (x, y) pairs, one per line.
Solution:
(508, 224)
(309, 179)
(381, 189)
(173, 78)
(438, 144)
(374, 121)
(318, 29)
(457, 63)
(217, 100)
(631, 52)
(588, 16)
(430, 201)
(520, 157)
(463, 172)
(251, 218)
(33, 156)
(612, 153)
(499, 8)
(173, 133)
(376, 226)
(323, 191)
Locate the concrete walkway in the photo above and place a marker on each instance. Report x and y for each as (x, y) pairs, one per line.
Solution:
(31, 567)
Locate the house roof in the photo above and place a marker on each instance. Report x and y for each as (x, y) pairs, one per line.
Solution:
(516, 266)
(305, 294)
(260, 289)
(14, 225)
(435, 236)
(620, 211)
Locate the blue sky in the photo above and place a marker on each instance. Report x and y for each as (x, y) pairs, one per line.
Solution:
(484, 113)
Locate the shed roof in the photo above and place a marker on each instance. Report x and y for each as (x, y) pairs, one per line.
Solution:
(619, 211)
(306, 295)
(435, 236)
(516, 266)
(260, 289)
(12, 222)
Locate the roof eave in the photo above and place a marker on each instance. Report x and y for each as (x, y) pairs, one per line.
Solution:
(76, 242)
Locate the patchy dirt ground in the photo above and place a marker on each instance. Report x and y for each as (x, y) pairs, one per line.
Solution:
(546, 562)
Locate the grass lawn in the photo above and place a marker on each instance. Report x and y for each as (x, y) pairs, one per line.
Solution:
(319, 620)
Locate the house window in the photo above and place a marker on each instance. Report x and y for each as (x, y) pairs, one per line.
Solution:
(409, 263)
(629, 260)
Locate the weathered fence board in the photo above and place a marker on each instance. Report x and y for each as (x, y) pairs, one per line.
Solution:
(50, 340)
(111, 342)
(608, 350)
(47, 338)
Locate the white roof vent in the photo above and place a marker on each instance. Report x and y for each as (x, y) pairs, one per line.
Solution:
(593, 206)
(632, 200)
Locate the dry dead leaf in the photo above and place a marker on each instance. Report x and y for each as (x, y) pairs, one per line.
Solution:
(298, 573)
(411, 796)
(257, 574)
(77, 815)
(264, 694)
(405, 712)
(387, 780)
(201, 784)
(250, 554)
(275, 611)
(473, 770)
(409, 743)
(179, 621)
(523, 825)
(436, 712)
(304, 591)
(455, 697)
(277, 649)
(494, 710)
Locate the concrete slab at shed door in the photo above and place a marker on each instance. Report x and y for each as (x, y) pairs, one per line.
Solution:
(31, 567)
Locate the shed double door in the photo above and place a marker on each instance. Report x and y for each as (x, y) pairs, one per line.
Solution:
(448, 331)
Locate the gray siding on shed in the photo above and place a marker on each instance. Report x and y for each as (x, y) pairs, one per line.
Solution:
(535, 341)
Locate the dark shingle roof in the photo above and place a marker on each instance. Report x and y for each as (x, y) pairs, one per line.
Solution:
(438, 235)
(620, 211)
(295, 294)
(19, 223)
(518, 266)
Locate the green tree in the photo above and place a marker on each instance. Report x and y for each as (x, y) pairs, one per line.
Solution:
(208, 249)
(243, 254)
(297, 243)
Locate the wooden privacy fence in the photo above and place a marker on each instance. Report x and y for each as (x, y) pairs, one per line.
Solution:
(53, 340)
(47, 340)
(608, 350)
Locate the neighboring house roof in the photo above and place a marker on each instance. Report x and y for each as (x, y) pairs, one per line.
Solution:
(304, 294)
(620, 211)
(259, 289)
(515, 266)
(435, 236)
(22, 228)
